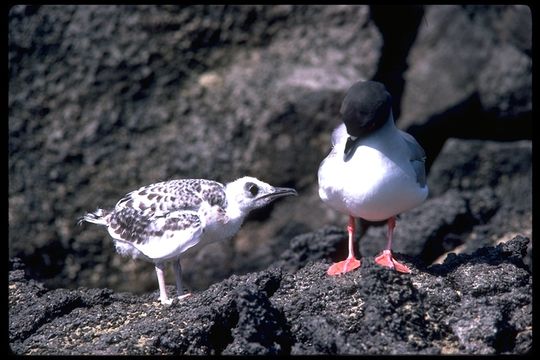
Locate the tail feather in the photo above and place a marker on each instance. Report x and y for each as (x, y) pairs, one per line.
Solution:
(97, 217)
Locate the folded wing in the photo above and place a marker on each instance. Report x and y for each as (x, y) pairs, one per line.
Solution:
(417, 157)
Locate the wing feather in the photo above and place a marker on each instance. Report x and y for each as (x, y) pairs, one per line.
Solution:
(417, 157)
(163, 197)
(157, 237)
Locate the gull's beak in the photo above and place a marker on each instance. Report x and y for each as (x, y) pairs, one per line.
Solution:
(350, 148)
(278, 192)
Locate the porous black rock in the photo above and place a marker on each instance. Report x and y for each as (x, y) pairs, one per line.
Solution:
(479, 303)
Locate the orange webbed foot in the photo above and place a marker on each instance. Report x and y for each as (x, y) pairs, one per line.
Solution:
(344, 266)
(387, 260)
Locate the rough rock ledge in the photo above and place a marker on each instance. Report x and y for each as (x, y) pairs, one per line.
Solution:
(471, 304)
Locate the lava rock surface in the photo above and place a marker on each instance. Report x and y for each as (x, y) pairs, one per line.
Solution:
(471, 304)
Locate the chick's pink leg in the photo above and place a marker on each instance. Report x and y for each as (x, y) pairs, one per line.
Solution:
(351, 262)
(385, 258)
(160, 267)
(178, 276)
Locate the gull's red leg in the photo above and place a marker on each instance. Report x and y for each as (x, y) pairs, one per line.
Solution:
(385, 258)
(351, 262)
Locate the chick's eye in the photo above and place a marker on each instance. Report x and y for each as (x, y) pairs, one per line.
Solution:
(253, 189)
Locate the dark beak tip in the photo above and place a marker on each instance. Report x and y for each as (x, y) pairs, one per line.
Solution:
(286, 192)
(279, 193)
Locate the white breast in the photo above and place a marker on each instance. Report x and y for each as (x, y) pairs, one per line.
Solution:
(376, 183)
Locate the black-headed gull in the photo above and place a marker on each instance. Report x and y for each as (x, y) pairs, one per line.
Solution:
(374, 170)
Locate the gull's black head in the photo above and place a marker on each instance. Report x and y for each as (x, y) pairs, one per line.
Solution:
(366, 107)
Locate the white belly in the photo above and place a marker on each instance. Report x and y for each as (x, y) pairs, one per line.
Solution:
(158, 249)
(369, 185)
(166, 248)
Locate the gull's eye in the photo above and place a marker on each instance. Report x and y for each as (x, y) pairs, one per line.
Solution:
(252, 188)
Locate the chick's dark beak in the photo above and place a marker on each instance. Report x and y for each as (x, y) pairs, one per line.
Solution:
(278, 192)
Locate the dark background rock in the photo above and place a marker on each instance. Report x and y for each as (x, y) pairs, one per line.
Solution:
(462, 50)
(468, 64)
(104, 99)
(495, 179)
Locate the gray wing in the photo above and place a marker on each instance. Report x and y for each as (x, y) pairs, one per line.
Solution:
(161, 198)
(417, 157)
